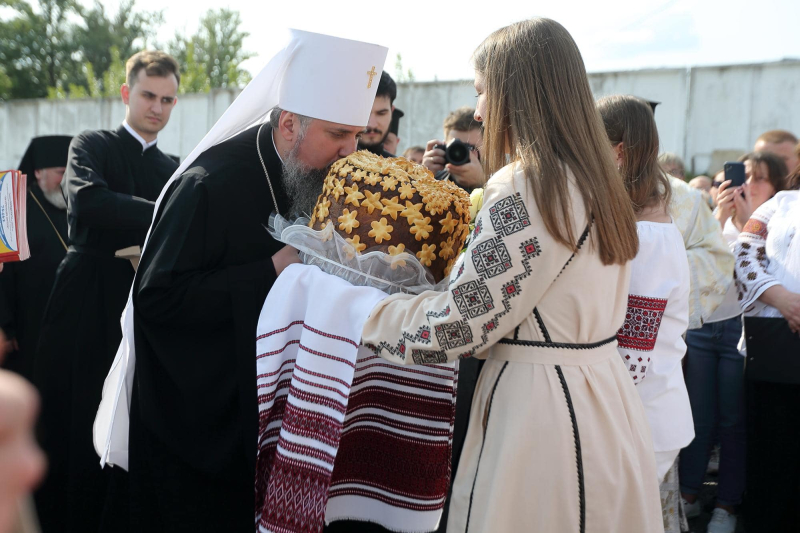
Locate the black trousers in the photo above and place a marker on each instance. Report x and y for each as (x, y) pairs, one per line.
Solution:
(772, 491)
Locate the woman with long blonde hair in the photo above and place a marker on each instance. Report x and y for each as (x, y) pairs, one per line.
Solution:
(558, 439)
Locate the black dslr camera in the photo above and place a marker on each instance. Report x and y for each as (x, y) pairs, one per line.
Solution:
(456, 152)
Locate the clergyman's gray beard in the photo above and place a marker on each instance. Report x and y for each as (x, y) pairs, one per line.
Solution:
(303, 185)
(56, 198)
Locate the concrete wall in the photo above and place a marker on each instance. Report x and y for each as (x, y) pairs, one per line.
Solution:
(704, 110)
(20, 120)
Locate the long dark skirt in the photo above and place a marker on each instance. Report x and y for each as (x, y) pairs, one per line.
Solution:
(772, 490)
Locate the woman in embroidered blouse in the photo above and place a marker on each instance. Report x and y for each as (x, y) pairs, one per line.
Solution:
(558, 439)
(714, 365)
(768, 283)
(651, 340)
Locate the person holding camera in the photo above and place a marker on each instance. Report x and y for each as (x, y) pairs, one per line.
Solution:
(458, 157)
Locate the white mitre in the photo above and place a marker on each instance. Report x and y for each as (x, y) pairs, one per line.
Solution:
(316, 75)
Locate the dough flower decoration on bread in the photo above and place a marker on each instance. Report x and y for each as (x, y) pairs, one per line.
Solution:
(396, 207)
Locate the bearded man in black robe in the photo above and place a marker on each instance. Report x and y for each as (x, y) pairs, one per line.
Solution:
(204, 275)
(25, 286)
(112, 180)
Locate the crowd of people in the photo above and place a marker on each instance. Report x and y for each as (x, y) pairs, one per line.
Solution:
(601, 361)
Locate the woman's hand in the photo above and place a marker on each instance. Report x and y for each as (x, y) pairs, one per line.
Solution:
(790, 309)
(285, 257)
(725, 199)
(743, 207)
(785, 301)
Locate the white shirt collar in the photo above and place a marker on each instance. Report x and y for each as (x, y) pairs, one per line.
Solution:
(145, 144)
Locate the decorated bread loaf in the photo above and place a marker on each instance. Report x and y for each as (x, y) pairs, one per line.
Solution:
(394, 205)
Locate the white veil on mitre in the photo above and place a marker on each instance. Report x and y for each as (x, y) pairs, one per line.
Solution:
(315, 75)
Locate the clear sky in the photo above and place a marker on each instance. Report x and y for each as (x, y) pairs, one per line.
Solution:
(437, 37)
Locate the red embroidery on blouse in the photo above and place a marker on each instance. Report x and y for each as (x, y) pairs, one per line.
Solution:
(756, 227)
(642, 321)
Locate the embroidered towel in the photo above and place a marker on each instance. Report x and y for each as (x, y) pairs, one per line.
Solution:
(332, 415)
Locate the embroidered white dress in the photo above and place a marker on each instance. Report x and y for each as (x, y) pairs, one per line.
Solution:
(651, 340)
(558, 439)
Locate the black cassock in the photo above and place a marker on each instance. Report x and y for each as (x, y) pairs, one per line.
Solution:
(112, 184)
(200, 288)
(25, 286)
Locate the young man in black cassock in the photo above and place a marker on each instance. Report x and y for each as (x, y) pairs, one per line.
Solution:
(25, 285)
(205, 273)
(113, 179)
(380, 118)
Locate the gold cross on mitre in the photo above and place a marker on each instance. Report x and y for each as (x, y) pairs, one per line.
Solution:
(371, 75)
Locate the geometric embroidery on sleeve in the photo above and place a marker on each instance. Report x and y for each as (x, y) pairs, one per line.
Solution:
(530, 248)
(441, 314)
(453, 335)
(637, 367)
(491, 258)
(642, 321)
(428, 357)
(512, 288)
(458, 274)
(509, 215)
(473, 299)
(478, 228)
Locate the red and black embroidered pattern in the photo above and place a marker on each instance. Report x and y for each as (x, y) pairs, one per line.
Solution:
(642, 321)
(637, 367)
(509, 215)
(422, 336)
(453, 335)
(478, 228)
(473, 299)
(428, 357)
(511, 289)
(441, 314)
(530, 248)
(491, 258)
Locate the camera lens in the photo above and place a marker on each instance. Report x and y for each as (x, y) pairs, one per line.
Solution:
(458, 153)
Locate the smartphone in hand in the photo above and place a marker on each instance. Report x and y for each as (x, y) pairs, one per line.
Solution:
(734, 171)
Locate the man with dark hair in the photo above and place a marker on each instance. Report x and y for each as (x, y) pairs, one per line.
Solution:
(25, 285)
(392, 137)
(782, 143)
(459, 124)
(112, 181)
(380, 118)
